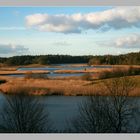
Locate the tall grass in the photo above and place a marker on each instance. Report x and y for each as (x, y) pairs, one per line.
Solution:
(61, 87)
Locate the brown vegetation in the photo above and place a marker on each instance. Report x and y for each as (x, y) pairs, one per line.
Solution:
(87, 76)
(30, 74)
(3, 72)
(119, 72)
(62, 87)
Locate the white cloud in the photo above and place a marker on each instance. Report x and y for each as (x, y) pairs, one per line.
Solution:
(36, 19)
(116, 18)
(12, 48)
(129, 41)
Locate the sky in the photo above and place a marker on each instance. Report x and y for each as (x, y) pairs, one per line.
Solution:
(69, 30)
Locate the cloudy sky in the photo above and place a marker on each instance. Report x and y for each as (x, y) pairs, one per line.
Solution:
(69, 30)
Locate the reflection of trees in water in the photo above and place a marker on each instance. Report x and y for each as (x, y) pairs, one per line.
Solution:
(23, 113)
(112, 114)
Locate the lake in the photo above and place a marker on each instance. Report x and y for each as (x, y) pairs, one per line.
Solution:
(55, 67)
(63, 67)
(60, 108)
(51, 75)
(63, 108)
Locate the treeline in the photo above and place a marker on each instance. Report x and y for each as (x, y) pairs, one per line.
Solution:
(125, 59)
(130, 58)
(44, 59)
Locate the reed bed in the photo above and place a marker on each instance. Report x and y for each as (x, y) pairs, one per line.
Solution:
(62, 87)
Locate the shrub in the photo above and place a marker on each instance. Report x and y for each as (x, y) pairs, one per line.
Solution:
(87, 76)
(2, 81)
(30, 74)
(134, 71)
(23, 113)
(118, 72)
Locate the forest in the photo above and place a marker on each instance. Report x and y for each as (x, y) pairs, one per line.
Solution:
(123, 59)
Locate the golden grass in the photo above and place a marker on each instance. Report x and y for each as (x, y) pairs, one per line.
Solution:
(21, 72)
(62, 87)
(7, 69)
(41, 86)
(94, 70)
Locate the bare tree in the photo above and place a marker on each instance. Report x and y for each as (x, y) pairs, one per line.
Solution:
(91, 118)
(23, 113)
(108, 114)
(121, 108)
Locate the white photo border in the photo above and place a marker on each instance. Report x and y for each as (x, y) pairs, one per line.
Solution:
(76, 3)
(69, 2)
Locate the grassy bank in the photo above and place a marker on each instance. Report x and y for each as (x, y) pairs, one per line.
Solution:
(21, 72)
(63, 87)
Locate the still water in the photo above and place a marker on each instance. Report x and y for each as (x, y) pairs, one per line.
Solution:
(60, 108)
(52, 75)
(63, 67)
(65, 108)
(54, 67)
